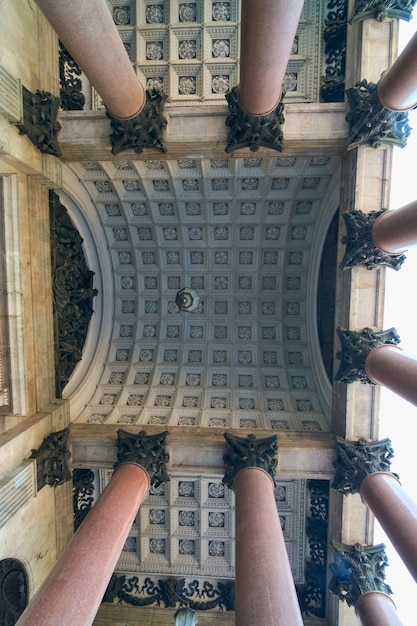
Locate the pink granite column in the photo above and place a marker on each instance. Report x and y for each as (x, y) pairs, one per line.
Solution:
(265, 591)
(395, 231)
(88, 32)
(388, 365)
(396, 512)
(375, 608)
(72, 593)
(397, 89)
(268, 28)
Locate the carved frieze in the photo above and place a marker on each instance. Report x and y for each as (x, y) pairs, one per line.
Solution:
(146, 450)
(254, 132)
(73, 293)
(358, 459)
(52, 460)
(143, 131)
(40, 112)
(249, 452)
(356, 570)
(372, 124)
(360, 247)
(382, 9)
(356, 347)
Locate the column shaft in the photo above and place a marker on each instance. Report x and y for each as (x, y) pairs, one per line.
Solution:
(397, 89)
(375, 608)
(396, 231)
(72, 593)
(87, 30)
(265, 591)
(389, 366)
(396, 512)
(268, 28)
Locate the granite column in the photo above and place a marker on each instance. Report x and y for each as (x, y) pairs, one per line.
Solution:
(72, 593)
(265, 52)
(265, 590)
(394, 232)
(397, 89)
(388, 365)
(88, 32)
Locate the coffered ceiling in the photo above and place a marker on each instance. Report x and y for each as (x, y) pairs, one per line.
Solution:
(247, 235)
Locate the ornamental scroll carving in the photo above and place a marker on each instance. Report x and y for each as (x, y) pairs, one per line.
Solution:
(332, 84)
(52, 460)
(249, 452)
(143, 131)
(253, 132)
(356, 347)
(356, 570)
(312, 594)
(360, 247)
(171, 592)
(72, 98)
(358, 459)
(146, 450)
(82, 494)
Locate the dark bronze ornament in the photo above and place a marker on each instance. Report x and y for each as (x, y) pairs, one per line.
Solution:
(372, 124)
(382, 9)
(356, 570)
(143, 131)
(40, 112)
(52, 460)
(187, 299)
(14, 591)
(73, 293)
(358, 459)
(249, 452)
(356, 347)
(332, 85)
(146, 450)
(72, 98)
(250, 131)
(171, 592)
(312, 594)
(82, 494)
(360, 247)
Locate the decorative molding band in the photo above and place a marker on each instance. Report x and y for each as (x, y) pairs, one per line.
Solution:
(358, 459)
(146, 450)
(371, 123)
(381, 10)
(360, 247)
(52, 460)
(10, 97)
(40, 112)
(356, 570)
(356, 347)
(253, 132)
(16, 489)
(248, 451)
(143, 131)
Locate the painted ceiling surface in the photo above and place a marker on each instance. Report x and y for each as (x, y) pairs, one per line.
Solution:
(246, 234)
